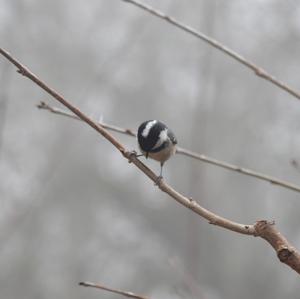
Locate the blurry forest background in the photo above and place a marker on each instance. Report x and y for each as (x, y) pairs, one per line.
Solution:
(73, 209)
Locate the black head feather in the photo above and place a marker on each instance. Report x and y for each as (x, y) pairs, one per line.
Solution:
(147, 138)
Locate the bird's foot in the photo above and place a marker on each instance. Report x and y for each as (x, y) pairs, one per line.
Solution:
(158, 181)
(133, 154)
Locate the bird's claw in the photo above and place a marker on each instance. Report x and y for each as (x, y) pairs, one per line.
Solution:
(134, 154)
(158, 181)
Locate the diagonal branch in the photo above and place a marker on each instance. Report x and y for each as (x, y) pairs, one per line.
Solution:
(260, 72)
(185, 152)
(131, 156)
(291, 256)
(115, 291)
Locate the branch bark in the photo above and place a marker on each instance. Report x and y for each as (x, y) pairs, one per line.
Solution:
(111, 290)
(260, 72)
(285, 251)
(185, 152)
(271, 235)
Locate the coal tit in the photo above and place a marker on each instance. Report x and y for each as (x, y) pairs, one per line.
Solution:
(156, 141)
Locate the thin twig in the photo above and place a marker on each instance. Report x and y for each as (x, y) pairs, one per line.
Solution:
(291, 256)
(242, 170)
(115, 291)
(185, 152)
(257, 70)
(44, 106)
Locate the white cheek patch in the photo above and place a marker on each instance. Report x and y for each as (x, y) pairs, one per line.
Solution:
(163, 137)
(148, 127)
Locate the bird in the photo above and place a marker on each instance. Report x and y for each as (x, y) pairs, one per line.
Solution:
(156, 141)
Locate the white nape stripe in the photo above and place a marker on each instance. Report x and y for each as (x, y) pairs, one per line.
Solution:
(148, 127)
(163, 137)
